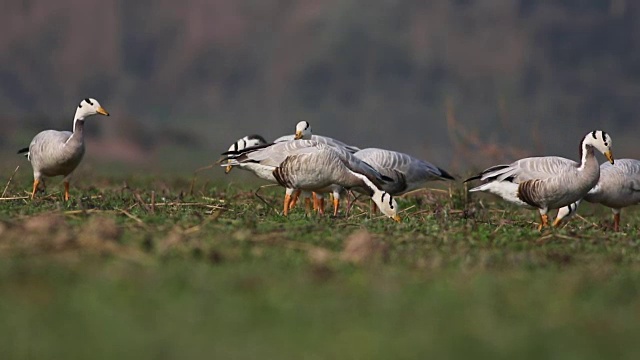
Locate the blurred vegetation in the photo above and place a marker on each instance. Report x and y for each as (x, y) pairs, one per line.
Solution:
(193, 76)
(208, 270)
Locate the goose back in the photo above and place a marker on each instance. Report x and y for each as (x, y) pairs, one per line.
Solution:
(619, 184)
(568, 183)
(54, 153)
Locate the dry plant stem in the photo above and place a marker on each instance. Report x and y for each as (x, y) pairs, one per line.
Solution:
(9, 181)
(257, 194)
(14, 198)
(141, 202)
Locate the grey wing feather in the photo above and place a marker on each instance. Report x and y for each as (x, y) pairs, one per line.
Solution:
(409, 173)
(529, 169)
(335, 143)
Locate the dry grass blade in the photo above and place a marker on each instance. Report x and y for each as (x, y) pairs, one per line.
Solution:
(141, 202)
(4, 192)
(14, 198)
(131, 216)
(257, 194)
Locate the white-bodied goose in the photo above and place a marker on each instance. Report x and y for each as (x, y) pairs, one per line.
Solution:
(308, 165)
(58, 153)
(618, 187)
(407, 172)
(548, 182)
(303, 132)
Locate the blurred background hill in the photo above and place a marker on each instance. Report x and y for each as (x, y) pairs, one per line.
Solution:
(461, 83)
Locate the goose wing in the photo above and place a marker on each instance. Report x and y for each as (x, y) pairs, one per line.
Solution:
(414, 169)
(527, 169)
(322, 140)
(273, 154)
(334, 143)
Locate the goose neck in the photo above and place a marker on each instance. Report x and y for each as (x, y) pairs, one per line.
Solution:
(78, 126)
(369, 185)
(587, 156)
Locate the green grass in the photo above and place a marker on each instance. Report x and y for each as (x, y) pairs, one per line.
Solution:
(213, 272)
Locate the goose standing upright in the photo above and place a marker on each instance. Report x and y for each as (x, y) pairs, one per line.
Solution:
(308, 165)
(548, 182)
(617, 188)
(58, 153)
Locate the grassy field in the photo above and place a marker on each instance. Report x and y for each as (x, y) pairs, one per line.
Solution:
(137, 268)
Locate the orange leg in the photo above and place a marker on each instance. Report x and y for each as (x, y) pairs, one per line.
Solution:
(35, 188)
(66, 191)
(315, 201)
(321, 206)
(294, 198)
(336, 205)
(287, 203)
(616, 222)
(544, 221)
(308, 207)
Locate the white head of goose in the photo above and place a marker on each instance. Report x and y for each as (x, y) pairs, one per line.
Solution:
(55, 153)
(303, 131)
(549, 182)
(243, 143)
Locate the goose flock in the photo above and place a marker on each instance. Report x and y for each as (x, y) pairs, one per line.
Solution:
(310, 166)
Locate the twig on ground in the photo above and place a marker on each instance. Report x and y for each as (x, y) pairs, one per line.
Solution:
(257, 194)
(9, 182)
(131, 216)
(141, 202)
(14, 198)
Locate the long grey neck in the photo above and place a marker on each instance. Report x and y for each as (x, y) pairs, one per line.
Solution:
(78, 131)
(588, 160)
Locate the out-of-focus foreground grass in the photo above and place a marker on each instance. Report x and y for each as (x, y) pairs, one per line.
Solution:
(141, 268)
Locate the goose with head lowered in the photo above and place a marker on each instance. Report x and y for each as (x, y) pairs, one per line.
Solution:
(58, 153)
(309, 165)
(243, 143)
(408, 173)
(549, 182)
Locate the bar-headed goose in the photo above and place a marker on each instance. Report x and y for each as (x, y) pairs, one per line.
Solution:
(618, 187)
(549, 182)
(58, 153)
(309, 165)
(407, 172)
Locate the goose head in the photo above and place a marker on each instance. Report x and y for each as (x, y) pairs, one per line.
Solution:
(303, 131)
(387, 204)
(601, 141)
(243, 143)
(88, 107)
